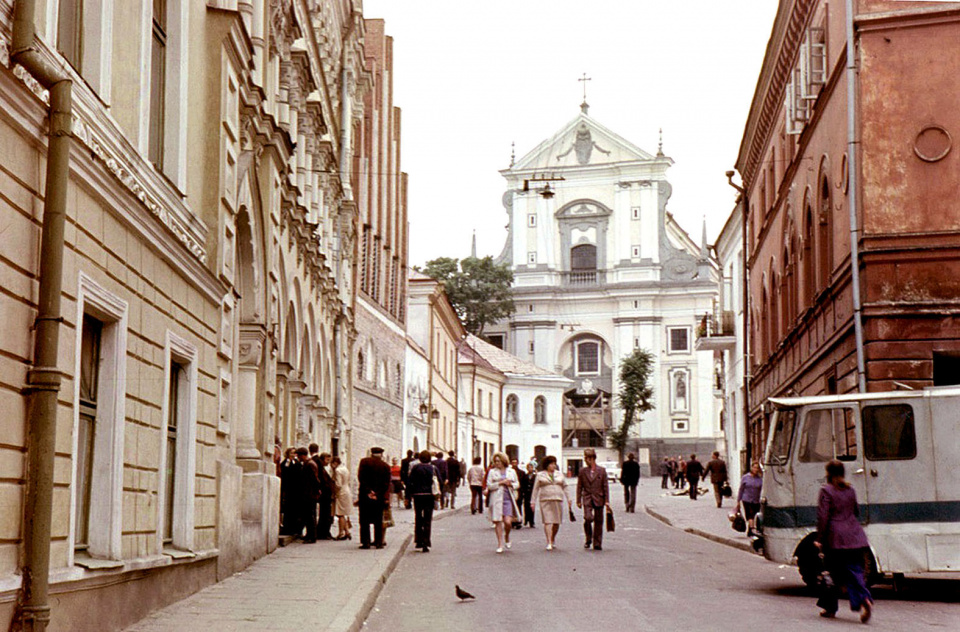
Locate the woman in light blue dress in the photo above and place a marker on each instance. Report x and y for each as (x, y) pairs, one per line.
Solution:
(502, 484)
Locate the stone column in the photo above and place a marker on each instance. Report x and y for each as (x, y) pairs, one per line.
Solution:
(250, 358)
(284, 423)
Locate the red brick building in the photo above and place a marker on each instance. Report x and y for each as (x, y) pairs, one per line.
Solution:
(902, 183)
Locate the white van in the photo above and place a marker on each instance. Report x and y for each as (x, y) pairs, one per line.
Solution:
(901, 450)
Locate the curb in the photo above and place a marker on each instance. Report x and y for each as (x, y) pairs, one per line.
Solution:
(743, 546)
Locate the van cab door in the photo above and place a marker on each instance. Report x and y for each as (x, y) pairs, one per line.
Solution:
(898, 450)
(827, 432)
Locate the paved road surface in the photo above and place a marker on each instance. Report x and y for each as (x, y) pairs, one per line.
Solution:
(648, 577)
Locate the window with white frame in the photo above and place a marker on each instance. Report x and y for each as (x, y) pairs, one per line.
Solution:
(84, 36)
(678, 339)
(100, 396)
(531, 257)
(531, 220)
(540, 410)
(635, 252)
(588, 357)
(164, 87)
(681, 425)
(178, 450)
(512, 409)
(635, 212)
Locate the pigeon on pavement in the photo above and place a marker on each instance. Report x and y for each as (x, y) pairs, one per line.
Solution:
(463, 594)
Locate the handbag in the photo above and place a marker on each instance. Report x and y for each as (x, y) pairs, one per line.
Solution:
(436, 485)
(611, 524)
(387, 517)
(726, 491)
(737, 521)
(573, 518)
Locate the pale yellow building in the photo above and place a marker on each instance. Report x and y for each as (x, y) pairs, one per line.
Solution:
(207, 292)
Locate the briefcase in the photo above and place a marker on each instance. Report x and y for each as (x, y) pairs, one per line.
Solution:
(611, 524)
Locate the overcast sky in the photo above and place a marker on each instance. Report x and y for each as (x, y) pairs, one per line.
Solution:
(471, 77)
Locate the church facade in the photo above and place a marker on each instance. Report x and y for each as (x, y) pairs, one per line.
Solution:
(600, 269)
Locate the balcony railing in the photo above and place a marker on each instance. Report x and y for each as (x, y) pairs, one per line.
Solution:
(716, 333)
(583, 277)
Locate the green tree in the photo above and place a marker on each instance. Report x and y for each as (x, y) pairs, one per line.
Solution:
(635, 396)
(479, 289)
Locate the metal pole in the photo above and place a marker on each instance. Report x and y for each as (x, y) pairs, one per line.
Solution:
(853, 190)
(43, 379)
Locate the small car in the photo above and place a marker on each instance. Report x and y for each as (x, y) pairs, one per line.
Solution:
(612, 468)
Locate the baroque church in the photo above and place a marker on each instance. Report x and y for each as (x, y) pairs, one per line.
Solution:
(600, 269)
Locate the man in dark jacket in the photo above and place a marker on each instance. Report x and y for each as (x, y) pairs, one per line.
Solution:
(405, 478)
(325, 500)
(694, 471)
(629, 478)
(453, 479)
(290, 495)
(373, 479)
(717, 468)
(664, 472)
(309, 494)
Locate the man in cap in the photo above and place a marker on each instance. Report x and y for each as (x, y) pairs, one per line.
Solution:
(373, 478)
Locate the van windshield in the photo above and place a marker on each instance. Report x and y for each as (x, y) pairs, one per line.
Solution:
(785, 422)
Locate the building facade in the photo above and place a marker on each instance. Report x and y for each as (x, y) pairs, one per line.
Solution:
(833, 314)
(601, 268)
(480, 409)
(434, 327)
(381, 344)
(209, 257)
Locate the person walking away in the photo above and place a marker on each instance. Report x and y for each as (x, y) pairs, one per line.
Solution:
(549, 490)
(717, 469)
(475, 480)
(405, 466)
(420, 486)
(309, 494)
(751, 486)
(502, 484)
(664, 473)
(630, 478)
(674, 471)
(441, 465)
(526, 495)
(844, 545)
(396, 481)
(343, 500)
(289, 472)
(373, 477)
(454, 475)
(593, 495)
(517, 518)
(694, 473)
(681, 472)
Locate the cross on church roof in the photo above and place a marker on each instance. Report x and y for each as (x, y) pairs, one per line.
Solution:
(584, 79)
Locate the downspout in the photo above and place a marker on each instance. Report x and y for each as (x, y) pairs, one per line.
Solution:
(338, 373)
(853, 190)
(744, 200)
(43, 380)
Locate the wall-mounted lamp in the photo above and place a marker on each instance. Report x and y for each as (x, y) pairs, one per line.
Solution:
(435, 415)
(546, 192)
(423, 410)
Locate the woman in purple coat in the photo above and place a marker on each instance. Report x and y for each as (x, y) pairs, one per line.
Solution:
(844, 544)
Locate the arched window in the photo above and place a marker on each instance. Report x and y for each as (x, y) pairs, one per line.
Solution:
(764, 325)
(360, 365)
(583, 258)
(825, 250)
(513, 452)
(511, 413)
(540, 410)
(588, 357)
(540, 452)
(775, 299)
(809, 269)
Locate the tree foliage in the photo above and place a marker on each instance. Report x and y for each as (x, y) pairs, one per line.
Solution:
(479, 289)
(635, 396)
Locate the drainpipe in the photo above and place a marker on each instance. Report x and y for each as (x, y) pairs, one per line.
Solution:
(745, 344)
(43, 380)
(338, 381)
(852, 188)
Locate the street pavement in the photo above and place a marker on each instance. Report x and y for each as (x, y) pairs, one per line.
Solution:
(650, 576)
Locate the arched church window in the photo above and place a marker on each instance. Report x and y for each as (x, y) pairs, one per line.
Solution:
(588, 357)
(540, 410)
(583, 257)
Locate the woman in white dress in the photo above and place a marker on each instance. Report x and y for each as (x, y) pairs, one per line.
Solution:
(502, 484)
(344, 499)
(550, 489)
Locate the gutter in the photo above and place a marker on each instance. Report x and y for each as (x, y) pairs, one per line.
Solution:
(853, 190)
(44, 378)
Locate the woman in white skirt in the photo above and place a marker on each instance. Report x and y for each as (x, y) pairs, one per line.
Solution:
(550, 489)
(502, 484)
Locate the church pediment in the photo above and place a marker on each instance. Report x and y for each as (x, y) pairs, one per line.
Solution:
(579, 209)
(582, 142)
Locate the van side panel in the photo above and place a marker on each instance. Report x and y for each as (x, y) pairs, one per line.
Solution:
(946, 451)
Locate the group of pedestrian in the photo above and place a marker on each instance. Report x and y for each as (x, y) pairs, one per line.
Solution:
(673, 470)
(314, 489)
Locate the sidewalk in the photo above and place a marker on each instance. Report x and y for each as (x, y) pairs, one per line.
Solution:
(328, 585)
(700, 517)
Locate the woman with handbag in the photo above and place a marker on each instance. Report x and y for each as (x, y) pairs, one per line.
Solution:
(749, 495)
(844, 545)
(343, 498)
(550, 489)
(501, 485)
(423, 483)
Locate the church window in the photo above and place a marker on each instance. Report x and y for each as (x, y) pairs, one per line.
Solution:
(635, 212)
(588, 358)
(531, 346)
(583, 257)
(531, 257)
(636, 305)
(679, 339)
(680, 425)
(530, 308)
(635, 252)
(531, 220)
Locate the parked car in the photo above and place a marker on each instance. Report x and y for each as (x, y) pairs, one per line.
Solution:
(612, 468)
